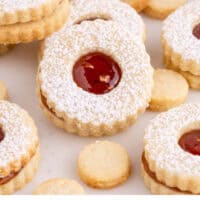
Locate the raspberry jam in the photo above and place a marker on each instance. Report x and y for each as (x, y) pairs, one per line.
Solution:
(1, 134)
(196, 31)
(97, 73)
(190, 142)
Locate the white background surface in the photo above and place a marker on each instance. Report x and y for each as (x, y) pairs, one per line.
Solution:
(60, 150)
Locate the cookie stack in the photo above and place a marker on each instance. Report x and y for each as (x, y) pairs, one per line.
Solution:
(95, 77)
(25, 21)
(181, 37)
(171, 152)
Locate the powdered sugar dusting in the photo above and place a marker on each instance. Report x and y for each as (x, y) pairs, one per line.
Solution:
(162, 136)
(63, 49)
(114, 10)
(16, 5)
(18, 134)
(178, 29)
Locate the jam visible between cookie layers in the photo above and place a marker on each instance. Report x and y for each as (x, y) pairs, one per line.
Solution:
(154, 177)
(2, 135)
(97, 73)
(196, 31)
(190, 142)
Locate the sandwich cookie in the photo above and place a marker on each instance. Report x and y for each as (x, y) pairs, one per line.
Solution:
(181, 44)
(93, 79)
(172, 151)
(25, 21)
(19, 148)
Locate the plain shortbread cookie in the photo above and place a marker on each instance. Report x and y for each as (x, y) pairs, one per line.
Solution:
(59, 186)
(104, 164)
(170, 90)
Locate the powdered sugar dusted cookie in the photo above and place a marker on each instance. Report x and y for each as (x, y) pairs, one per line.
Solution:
(171, 149)
(181, 34)
(139, 5)
(59, 187)
(170, 90)
(15, 11)
(112, 10)
(19, 148)
(93, 79)
(104, 164)
(162, 8)
(25, 21)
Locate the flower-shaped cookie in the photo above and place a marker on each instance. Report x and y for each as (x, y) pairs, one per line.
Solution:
(93, 79)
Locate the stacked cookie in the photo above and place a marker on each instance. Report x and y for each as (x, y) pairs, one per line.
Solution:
(181, 34)
(171, 152)
(25, 21)
(19, 148)
(95, 77)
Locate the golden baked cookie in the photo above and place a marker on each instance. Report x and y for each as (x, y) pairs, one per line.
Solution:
(3, 91)
(139, 5)
(172, 153)
(59, 186)
(104, 164)
(115, 90)
(19, 148)
(20, 11)
(181, 34)
(162, 8)
(193, 80)
(170, 90)
(112, 10)
(5, 48)
(38, 26)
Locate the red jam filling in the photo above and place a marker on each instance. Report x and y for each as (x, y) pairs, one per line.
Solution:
(196, 31)
(97, 73)
(1, 134)
(190, 142)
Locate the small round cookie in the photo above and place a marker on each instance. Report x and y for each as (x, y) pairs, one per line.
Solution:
(19, 148)
(5, 48)
(180, 37)
(3, 91)
(193, 80)
(172, 150)
(170, 90)
(30, 30)
(59, 187)
(93, 79)
(112, 10)
(139, 5)
(160, 9)
(104, 165)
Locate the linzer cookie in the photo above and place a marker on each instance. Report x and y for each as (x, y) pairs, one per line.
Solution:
(170, 90)
(162, 8)
(19, 148)
(104, 165)
(93, 79)
(112, 10)
(172, 151)
(139, 5)
(25, 21)
(59, 186)
(181, 34)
